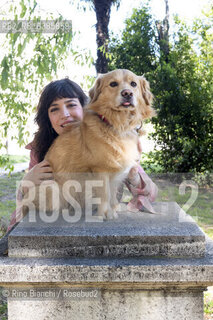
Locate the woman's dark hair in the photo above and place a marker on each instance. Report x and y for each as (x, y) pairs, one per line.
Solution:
(58, 89)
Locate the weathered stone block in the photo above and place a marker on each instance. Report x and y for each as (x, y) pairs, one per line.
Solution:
(116, 305)
(144, 267)
(166, 234)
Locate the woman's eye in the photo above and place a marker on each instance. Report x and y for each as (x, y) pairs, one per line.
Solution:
(113, 84)
(133, 84)
(53, 109)
(71, 105)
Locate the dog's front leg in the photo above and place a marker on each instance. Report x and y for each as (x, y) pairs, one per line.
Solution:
(103, 194)
(114, 184)
(49, 197)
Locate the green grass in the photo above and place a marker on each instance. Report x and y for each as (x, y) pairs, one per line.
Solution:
(18, 159)
(6, 207)
(208, 303)
(8, 193)
(3, 311)
(202, 208)
(3, 306)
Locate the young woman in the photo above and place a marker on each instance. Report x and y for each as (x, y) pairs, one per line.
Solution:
(62, 102)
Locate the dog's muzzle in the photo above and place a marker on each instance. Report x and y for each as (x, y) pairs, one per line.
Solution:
(127, 96)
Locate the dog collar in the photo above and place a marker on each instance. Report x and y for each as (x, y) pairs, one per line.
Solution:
(103, 118)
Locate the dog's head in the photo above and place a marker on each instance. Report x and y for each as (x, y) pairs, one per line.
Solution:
(123, 98)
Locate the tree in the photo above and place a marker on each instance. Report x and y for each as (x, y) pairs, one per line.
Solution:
(163, 34)
(136, 48)
(183, 95)
(102, 10)
(22, 75)
(182, 86)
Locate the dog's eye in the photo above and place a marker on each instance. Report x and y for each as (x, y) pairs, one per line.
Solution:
(133, 84)
(113, 84)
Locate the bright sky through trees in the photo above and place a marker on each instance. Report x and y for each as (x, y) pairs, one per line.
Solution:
(85, 21)
(84, 26)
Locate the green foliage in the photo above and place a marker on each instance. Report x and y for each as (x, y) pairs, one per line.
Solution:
(149, 164)
(208, 304)
(182, 87)
(136, 50)
(5, 162)
(30, 60)
(204, 179)
(90, 4)
(183, 99)
(3, 310)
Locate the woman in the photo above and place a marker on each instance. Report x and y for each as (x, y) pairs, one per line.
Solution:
(62, 102)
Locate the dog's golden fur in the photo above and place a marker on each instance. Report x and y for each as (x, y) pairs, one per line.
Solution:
(107, 147)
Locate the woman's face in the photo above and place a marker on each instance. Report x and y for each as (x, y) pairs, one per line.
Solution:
(63, 111)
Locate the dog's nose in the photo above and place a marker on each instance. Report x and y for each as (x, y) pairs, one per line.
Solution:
(126, 93)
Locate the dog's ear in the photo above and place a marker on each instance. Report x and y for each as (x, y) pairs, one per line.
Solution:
(96, 89)
(148, 111)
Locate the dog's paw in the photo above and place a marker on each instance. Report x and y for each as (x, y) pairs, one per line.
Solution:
(106, 212)
(102, 210)
(115, 214)
(115, 208)
(111, 214)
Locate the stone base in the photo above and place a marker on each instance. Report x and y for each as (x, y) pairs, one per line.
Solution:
(168, 285)
(116, 305)
(169, 233)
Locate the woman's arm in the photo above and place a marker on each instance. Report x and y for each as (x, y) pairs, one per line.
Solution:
(38, 172)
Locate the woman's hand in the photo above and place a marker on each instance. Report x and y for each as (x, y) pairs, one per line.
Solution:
(39, 173)
(136, 182)
(134, 177)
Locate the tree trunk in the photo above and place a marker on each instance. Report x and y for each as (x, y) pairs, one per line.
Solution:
(163, 34)
(102, 9)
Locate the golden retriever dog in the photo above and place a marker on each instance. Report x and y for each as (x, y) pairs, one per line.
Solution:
(105, 143)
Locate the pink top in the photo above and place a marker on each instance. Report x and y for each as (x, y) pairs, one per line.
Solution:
(141, 198)
(33, 157)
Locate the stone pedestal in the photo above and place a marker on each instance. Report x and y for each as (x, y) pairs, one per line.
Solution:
(169, 233)
(126, 304)
(138, 267)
